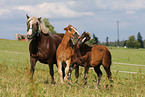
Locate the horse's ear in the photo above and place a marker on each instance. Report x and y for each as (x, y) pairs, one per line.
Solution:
(69, 26)
(27, 16)
(88, 33)
(39, 19)
(66, 28)
(84, 32)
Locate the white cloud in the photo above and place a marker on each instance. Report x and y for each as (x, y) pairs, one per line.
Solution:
(53, 10)
(130, 12)
(129, 7)
(2, 2)
(4, 11)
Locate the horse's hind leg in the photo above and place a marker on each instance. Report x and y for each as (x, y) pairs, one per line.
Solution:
(99, 73)
(33, 63)
(52, 73)
(109, 74)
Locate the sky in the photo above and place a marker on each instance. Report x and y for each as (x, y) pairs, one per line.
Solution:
(95, 16)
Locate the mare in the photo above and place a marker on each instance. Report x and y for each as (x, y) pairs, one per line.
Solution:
(43, 44)
(88, 56)
(64, 52)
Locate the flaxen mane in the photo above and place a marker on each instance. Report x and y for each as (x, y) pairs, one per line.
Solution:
(42, 26)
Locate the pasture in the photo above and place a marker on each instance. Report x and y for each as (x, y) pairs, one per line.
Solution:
(128, 73)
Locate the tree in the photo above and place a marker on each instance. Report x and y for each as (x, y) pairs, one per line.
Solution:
(94, 40)
(132, 42)
(107, 42)
(124, 44)
(139, 38)
(48, 25)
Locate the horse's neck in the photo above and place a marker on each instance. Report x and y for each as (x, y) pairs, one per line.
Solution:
(84, 48)
(65, 40)
(38, 38)
(77, 50)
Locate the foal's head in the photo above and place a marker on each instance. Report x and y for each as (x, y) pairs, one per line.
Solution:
(84, 37)
(71, 32)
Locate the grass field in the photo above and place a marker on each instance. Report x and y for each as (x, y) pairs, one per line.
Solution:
(129, 80)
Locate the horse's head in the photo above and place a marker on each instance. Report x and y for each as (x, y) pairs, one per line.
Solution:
(32, 26)
(35, 26)
(71, 32)
(84, 37)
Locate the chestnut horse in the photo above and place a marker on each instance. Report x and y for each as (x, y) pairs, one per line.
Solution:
(43, 44)
(87, 56)
(64, 52)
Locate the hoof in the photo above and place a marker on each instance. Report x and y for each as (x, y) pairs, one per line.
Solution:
(53, 82)
(98, 87)
(85, 83)
(62, 83)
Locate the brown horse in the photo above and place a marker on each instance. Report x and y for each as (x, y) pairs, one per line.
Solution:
(87, 56)
(64, 52)
(43, 44)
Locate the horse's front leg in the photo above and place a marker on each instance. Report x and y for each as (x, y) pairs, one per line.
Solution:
(59, 64)
(77, 73)
(33, 63)
(69, 73)
(86, 74)
(52, 73)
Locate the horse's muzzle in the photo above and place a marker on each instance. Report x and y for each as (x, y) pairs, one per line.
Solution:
(29, 36)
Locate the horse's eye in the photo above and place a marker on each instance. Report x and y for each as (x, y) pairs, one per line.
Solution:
(70, 29)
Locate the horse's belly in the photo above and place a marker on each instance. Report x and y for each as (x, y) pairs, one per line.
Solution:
(43, 61)
(44, 58)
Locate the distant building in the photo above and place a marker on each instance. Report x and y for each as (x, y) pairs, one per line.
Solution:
(21, 37)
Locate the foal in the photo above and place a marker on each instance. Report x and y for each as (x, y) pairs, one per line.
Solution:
(94, 56)
(64, 52)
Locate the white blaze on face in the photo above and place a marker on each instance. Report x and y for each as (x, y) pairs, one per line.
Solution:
(75, 30)
(83, 39)
(30, 29)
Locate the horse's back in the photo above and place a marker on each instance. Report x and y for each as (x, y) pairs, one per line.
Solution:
(84, 48)
(100, 53)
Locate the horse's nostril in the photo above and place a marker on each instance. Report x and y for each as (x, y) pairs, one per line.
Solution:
(28, 36)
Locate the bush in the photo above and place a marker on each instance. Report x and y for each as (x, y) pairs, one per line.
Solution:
(132, 42)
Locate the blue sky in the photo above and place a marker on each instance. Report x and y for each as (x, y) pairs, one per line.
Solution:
(94, 16)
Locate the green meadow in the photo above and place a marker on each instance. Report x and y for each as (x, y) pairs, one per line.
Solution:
(128, 72)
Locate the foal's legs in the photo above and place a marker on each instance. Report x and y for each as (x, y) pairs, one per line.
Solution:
(77, 73)
(59, 64)
(33, 63)
(86, 74)
(68, 62)
(107, 69)
(69, 74)
(99, 73)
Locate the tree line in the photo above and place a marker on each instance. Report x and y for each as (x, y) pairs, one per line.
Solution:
(132, 42)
